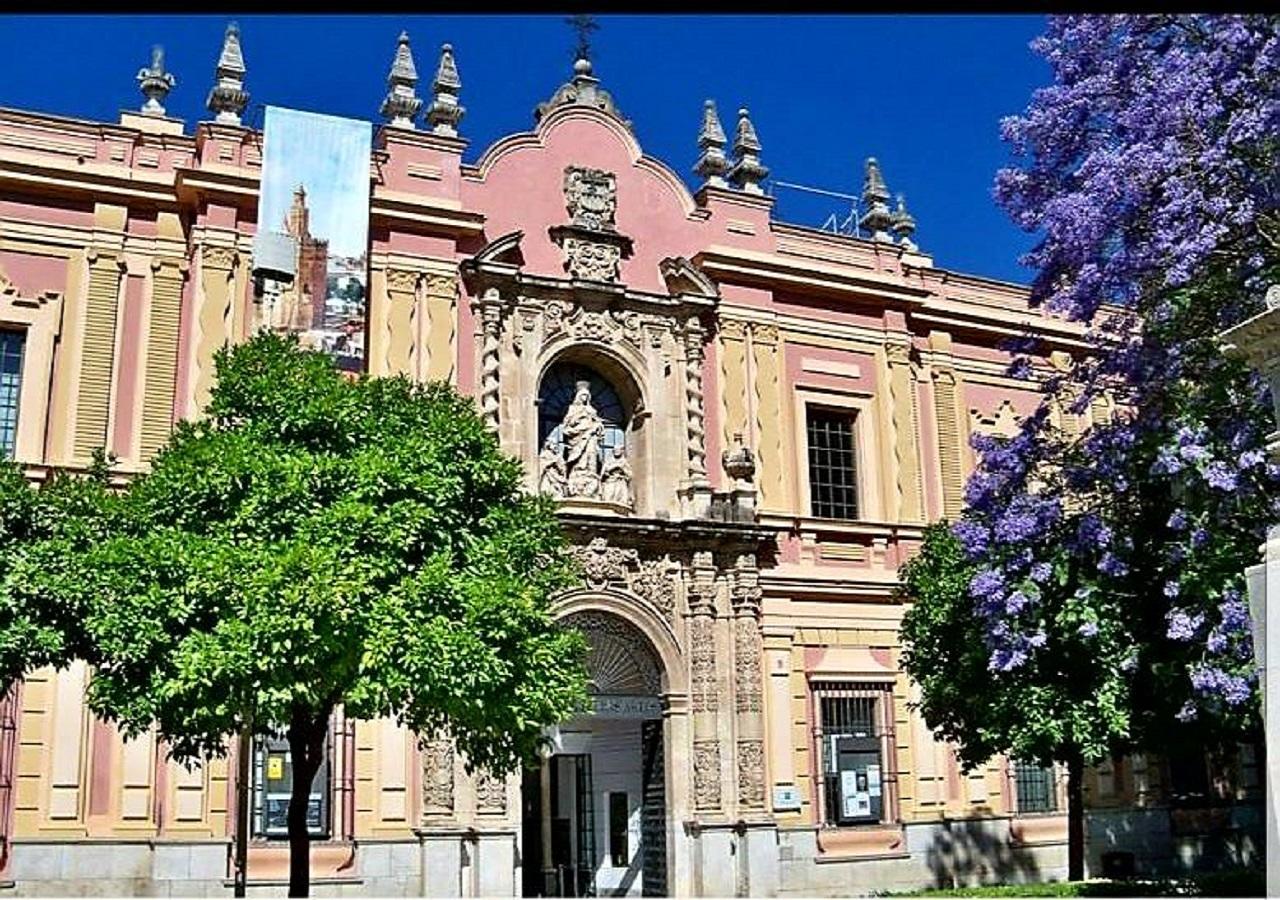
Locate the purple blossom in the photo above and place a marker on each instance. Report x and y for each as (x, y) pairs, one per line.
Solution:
(987, 583)
(1088, 629)
(1187, 713)
(1041, 572)
(974, 538)
(1199, 538)
(1235, 616)
(1171, 589)
(1251, 458)
(1178, 521)
(1220, 477)
(1110, 564)
(1183, 627)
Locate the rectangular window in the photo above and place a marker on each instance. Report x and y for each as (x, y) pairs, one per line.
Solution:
(833, 485)
(619, 855)
(855, 739)
(273, 784)
(1034, 787)
(12, 343)
(1188, 776)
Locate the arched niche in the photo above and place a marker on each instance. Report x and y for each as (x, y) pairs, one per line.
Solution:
(630, 623)
(617, 398)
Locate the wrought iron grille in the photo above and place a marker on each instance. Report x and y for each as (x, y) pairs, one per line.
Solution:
(833, 484)
(12, 343)
(1034, 785)
(854, 741)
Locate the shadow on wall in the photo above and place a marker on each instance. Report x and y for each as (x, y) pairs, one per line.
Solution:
(972, 852)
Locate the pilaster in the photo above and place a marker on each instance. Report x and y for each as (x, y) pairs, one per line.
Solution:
(767, 355)
(214, 313)
(704, 690)
(946, 407)
(161, 367)
(748, 692)
(906, 432)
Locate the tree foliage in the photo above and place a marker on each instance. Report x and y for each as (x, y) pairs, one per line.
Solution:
(41, 531)
(317, 542)
(1096, 575)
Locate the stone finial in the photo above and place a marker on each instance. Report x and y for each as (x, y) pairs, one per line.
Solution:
(738, 461)
(747, 171)
(875, 200)
(228, 98)
(155, 83)
(402, 103)
(583, 89)
(904, 225)
(444, 113)
(712, 164)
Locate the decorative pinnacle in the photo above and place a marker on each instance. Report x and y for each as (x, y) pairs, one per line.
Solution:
(747, 171)
(875, 200)
(904, 225)
(444, 113)
(228, 97)
(155, 83)
(712, 164)
(402, 103)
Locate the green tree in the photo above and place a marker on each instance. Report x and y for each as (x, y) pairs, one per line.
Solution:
(41, 529)
(318, 541)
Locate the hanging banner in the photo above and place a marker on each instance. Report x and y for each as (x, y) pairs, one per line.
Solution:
(311, 262)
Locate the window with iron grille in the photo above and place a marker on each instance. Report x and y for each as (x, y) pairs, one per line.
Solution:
(1034, 787)
(273, 786)
(833, 484)
(12, 344)
(854, 742)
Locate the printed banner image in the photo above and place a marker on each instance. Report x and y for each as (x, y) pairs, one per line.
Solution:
(311, 271)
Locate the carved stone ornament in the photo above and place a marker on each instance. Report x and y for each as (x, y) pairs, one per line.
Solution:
(739, 462)
(591, 260)
(491, 792)
(219, 257)
(748, 685)
(704, 696)
(602, 564)
(591, 196)
(437, 787)
(706, 774)
(655, 582)
(592, 246)
(751, 774)
(619, 659)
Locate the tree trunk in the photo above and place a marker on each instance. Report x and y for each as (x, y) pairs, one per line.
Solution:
(1075, 817)
(306, 746)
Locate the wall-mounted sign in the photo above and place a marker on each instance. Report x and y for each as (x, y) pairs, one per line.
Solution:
(785, 797)
(311, 251)
(620, 706)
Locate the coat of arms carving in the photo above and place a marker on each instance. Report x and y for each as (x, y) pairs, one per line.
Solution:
(591, 196)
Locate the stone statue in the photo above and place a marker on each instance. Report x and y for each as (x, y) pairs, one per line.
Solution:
(583, 432)
(615, 478)
(552, 480)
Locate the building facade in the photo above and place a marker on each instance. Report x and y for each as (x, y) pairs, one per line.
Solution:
(747, 423)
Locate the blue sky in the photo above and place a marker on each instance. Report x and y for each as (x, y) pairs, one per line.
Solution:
(329, 156)
(923, 94)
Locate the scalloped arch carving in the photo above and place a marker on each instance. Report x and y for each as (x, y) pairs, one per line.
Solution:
(620, 660)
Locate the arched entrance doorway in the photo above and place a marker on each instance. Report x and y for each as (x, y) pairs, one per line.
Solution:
(594, 815)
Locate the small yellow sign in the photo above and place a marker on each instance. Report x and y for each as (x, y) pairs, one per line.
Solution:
(275, 767)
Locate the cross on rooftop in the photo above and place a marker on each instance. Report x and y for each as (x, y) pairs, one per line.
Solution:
(583, 24)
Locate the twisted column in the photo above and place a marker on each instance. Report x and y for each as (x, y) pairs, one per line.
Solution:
(491, 317)
(694, 414)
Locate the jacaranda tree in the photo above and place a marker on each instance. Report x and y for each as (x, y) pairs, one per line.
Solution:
(318, 542)
(1101, 575)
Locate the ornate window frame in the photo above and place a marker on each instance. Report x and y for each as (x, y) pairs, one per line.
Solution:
(40, 318)
(866, 425)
